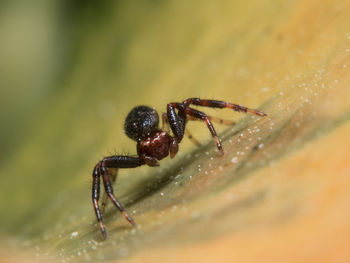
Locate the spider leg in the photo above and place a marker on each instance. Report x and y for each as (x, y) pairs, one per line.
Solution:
(105, 197)
(177, 121)
(221, 104)
(174, 147)
(221, 121)
(194, 140)
(101, 169)
(104, 203)
(202, 116)
(213, 119)
(95, 197)
(109, 190)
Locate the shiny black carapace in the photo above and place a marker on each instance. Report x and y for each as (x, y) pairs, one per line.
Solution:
(153, 143)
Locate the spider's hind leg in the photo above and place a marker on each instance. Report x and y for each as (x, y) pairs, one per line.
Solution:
(192, 139)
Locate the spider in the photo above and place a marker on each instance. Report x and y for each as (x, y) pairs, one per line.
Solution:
(153, 144)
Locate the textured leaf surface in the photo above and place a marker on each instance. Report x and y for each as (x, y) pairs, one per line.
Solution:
(280, 192)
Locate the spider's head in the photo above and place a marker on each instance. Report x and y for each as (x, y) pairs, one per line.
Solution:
(141, 122)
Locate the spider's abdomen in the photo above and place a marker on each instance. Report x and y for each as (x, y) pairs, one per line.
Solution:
(157, 145)
(141, 122)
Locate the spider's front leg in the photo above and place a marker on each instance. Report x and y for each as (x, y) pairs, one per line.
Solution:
(101, 169)
(202, 116)
(221, 104)
(177, 121)
(96, 196)
(104, 202)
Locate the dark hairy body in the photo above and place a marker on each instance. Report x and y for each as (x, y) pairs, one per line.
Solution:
(153, 143)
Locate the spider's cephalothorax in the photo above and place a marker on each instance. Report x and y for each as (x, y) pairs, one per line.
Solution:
(153, 143)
